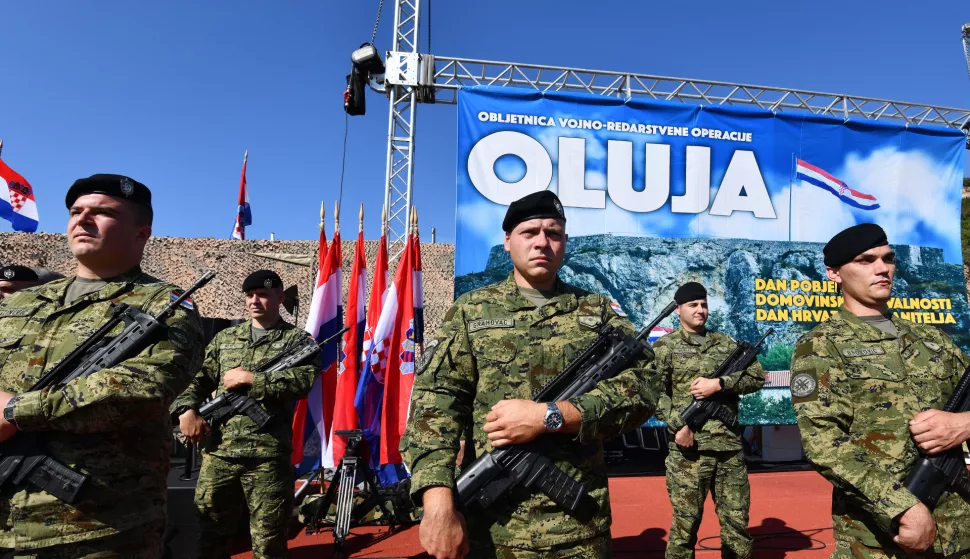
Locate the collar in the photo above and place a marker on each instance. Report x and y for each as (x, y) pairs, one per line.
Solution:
(864, 331)
(55, 290)
(563, 298)
(708, 339)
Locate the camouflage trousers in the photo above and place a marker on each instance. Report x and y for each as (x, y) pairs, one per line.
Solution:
(599, 547)
(690, 475)
(144, 542)
(227, 486)
(845, 549)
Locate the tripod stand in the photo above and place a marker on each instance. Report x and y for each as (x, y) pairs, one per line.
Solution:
(341, 493)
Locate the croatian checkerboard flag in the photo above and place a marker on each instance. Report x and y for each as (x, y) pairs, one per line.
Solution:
(313, 415)
(344, 413)
(17, 204)
(379, 340)
(817, 176)
(244, 215)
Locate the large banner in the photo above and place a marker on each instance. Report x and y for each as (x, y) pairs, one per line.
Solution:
(659, 193)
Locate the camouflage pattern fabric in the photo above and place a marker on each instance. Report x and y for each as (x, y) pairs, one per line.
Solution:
(145, 542)
(493, 345)
(680, 360)
(114, 424)
(276, 392)
(690, 475)
(600, 547)
(855, 550)
(227, 486)
(855, 389)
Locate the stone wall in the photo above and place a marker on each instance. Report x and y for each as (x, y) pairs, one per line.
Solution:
(182, 260)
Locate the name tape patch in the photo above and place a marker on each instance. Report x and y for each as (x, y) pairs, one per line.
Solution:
(486, 323)
(863, 351)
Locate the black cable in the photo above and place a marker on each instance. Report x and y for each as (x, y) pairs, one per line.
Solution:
(343, 164)
(373, 35)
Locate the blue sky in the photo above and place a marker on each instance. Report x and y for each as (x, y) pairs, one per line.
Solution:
(173, 93)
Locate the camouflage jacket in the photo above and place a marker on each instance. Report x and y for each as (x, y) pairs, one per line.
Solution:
(113, 425)
(275, 392)
(494, 344)
(855, 389)
(680, 360)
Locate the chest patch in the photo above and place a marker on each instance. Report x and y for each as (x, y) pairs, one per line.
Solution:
(231, 346)
(862, 351)
(277, 345)
(487, 323)
(16, 312)
(589, 321)
(686, 351)
(932, 346)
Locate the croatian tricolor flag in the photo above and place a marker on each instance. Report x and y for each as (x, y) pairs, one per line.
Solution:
(344, 413)
(657, 333)
(815, 175)
(17, 204)
(244, 215)
(314, 415)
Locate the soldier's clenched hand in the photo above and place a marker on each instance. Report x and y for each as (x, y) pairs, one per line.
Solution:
(442, 532)
(684, 437)
(238, 377)
(7, 429)
(917, 530)
(935, 431)
(515, 422)
(704, 387)
(192, 426)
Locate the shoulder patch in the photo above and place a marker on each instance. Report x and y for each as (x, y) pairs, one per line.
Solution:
(188, 303)
(486, 323)
(862, 351)
(427, 355)
(617, 309)
(803, 385)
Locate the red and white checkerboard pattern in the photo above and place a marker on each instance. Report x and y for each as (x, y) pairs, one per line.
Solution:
(17, 200)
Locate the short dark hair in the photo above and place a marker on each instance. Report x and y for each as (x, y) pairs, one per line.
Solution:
(143, 214)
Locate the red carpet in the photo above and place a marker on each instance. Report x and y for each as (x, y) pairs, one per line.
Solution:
(790, 519)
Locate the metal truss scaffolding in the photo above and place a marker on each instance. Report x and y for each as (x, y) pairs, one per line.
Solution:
(412, 77)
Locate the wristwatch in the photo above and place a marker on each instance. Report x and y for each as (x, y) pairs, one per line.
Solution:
(553, 419)
(8, 410)
(721, 381)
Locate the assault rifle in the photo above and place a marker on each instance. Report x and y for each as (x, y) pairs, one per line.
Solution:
(699, 411)
(23, 458)
(220, 409)
(493, 474)
(930, 476)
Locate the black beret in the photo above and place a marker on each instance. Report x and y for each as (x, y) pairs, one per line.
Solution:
(17, 273)
(852, 242)
(262, 278)
(538, 205)
(690, 291)
(118, 186)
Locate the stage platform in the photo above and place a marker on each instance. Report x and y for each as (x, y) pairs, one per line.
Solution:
(790, 519)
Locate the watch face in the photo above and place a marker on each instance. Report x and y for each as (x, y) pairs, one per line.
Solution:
(553, 418)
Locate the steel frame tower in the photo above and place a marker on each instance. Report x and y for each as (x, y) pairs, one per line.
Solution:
(412, 77)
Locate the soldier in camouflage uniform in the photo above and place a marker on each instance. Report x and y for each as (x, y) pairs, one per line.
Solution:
(710, 459)
(241, 465)
(112, 425)
(497, 346)
(868, 388)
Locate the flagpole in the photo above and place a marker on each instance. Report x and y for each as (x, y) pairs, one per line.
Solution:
(414, 230)
(360, 228)
(336, 217)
